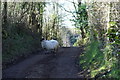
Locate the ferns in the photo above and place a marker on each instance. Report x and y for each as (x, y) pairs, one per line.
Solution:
(97, 61)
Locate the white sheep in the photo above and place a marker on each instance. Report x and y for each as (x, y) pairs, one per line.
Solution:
(50, 45)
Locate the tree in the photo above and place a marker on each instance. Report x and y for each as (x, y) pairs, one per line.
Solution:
(4, 22)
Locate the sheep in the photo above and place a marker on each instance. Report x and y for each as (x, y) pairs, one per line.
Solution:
(50, 45)
(55, 44)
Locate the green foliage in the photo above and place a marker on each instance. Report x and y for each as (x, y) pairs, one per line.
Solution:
(114, 37)
(19, 42)
(82, 16)
(73, 39)
(101, 56)
(113, 33)
(91, 52)
(81, 42)
(81, 19)
(78, 43)
(4, 33)
(112, 23)
(98, 61)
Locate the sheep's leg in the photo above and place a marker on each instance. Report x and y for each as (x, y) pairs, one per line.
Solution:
(51, 51)
(46, 51)
(57, 48)
(55, 51)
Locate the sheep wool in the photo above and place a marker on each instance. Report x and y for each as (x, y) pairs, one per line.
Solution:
(50, 44)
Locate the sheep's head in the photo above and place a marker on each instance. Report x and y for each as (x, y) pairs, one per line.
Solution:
(54, 38)
(42, 39)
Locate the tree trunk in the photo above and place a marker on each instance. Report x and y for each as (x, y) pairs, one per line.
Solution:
(98, 18)
(4, 24)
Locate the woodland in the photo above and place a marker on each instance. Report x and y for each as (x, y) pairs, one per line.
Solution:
(96, 29)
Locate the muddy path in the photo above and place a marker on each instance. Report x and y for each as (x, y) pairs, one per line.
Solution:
(61, 65)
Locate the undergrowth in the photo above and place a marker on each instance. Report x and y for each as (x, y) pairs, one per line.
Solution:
(100, 63)
(17, 42)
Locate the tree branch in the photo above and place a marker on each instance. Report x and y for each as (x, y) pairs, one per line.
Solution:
(67, 11)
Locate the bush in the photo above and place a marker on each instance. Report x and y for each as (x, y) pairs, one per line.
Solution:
(18, 42)
(99, 62)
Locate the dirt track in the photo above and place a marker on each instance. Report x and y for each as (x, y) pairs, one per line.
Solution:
(62, 65)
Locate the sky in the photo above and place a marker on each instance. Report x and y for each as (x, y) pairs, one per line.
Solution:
(68, 6)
